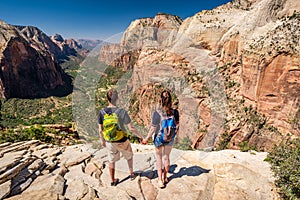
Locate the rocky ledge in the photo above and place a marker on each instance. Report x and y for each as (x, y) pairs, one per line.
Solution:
(33, 170)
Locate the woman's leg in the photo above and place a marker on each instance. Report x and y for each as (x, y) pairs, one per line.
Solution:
(166, 158)
(158, 152)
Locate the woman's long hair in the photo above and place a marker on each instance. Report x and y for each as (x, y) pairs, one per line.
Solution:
(166, 102)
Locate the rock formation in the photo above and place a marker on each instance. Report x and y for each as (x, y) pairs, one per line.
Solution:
(244, 53)
(28, 71)
(67, 47)
(33, 170)
(73, 44)
(160, 30)
(40, 41)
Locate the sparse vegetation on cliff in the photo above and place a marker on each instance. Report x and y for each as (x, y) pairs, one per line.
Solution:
(283, 39)
(253, 126)
(169, 16)
(224, 141)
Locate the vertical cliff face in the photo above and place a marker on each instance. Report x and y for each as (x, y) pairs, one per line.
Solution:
(271, 73)
(257, 45)
(40, 41)
(27, 71)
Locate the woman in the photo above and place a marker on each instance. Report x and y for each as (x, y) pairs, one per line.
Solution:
(162, 149)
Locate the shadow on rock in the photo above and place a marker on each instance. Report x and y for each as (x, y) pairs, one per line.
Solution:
(186, 171)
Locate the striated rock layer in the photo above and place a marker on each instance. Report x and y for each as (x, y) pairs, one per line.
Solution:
(32, 170)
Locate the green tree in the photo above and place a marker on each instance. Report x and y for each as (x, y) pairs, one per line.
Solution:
(285, 163)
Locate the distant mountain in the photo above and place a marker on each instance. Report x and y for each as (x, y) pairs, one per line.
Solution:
(74, 44)
(88, 44)
(28, 64)
(40, 41)
(56, 45)
(67, 47)
(30, 61)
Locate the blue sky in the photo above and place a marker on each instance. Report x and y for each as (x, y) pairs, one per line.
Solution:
(96, 19)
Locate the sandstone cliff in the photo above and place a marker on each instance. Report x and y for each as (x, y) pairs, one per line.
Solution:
(160, 30)
(27, 70)
(33, 170)
(239, 62)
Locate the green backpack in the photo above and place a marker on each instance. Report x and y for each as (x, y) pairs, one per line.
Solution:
(111, 128)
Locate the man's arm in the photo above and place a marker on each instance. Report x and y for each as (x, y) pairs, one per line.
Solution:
(103, 142)
(134, 131)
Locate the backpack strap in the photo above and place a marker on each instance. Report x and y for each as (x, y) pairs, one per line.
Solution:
(103, 112)
(117, 111)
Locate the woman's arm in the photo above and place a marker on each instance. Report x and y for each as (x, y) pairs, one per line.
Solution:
(176, 115)
(177, 133)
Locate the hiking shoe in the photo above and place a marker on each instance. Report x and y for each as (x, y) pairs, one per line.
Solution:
(161, 184)
(166, 180)
(115, 182)
(133, 176)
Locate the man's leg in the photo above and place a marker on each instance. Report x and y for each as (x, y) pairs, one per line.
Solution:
(130, 166)
(113, 156)
(126, 150)
(112, 171)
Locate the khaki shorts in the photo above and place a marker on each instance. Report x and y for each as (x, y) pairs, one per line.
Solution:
(115, 148)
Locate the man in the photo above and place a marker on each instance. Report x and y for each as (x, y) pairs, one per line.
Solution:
(115, 139)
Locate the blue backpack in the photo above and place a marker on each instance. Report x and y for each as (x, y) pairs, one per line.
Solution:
(167, 130)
